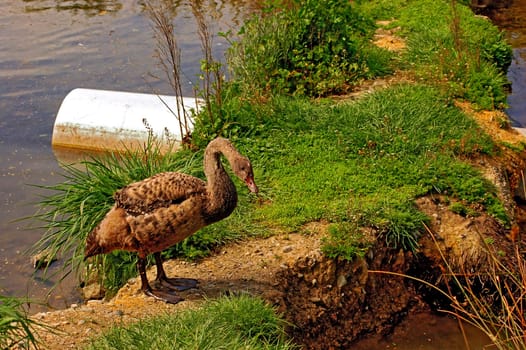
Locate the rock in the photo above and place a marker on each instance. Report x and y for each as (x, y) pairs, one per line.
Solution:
(93, 291)
(341, 281)
(43, 258)
(118, 313)
(287, 249)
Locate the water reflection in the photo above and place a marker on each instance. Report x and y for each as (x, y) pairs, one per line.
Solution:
(231, 12)
(89, 7)
(216, 9)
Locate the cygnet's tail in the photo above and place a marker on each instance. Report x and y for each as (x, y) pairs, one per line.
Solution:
(110, 234)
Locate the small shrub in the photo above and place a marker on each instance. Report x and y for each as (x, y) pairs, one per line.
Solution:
(310, 48)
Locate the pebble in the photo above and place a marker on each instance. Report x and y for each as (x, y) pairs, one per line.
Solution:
(342, 281)
(42, 259)
(94, 302)
(119, 313)
(40, 315)
(287, 249)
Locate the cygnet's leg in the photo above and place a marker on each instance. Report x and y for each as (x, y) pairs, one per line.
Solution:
(168, 297)
(178, 284)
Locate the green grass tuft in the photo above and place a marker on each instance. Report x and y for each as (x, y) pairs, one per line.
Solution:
(16, 328)
(240, 322)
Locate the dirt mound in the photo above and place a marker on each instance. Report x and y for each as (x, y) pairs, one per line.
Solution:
(244, 267)
(333, 303)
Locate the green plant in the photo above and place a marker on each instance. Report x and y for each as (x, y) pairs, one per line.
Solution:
(240, 322)
(16, 328)
(311, 47)
(345, 241)
(465, 52)
(382, 9)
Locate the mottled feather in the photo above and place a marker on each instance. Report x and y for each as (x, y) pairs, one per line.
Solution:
(160, 211)
(159, 191)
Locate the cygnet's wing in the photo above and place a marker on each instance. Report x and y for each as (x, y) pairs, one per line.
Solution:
(161, 190)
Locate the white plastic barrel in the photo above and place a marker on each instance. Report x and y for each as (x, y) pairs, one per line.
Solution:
(102, 120)
(522, 131)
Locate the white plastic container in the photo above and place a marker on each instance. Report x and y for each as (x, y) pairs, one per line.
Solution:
(102, 120)
(522, 131)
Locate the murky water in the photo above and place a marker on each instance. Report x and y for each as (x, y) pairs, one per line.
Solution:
(513, 21)
(48, 48)
(427, 331)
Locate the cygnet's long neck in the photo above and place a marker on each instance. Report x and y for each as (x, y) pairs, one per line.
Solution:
(221, 191)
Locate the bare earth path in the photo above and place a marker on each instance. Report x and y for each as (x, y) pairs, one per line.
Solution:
(247, 266)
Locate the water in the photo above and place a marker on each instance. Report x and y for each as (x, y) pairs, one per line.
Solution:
(48, 48)
(427, 331)
(513, 21)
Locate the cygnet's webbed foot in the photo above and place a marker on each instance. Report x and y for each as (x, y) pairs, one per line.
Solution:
(166, 296)
(177, 284)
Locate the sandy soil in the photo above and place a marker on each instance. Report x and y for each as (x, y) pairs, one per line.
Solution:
(249, 266)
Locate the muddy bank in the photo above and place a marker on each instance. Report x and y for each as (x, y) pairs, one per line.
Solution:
(334, 303)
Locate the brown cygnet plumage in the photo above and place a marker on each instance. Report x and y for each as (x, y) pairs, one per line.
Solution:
(160, 211)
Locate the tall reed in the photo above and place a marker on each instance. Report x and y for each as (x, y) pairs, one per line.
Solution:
(169, 57)
(498, 309)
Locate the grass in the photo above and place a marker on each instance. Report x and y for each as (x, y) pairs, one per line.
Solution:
(240, 322)
(366, 162)
(465, 54)
(16, 329)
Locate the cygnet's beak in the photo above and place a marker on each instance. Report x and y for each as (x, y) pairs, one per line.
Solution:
(251, 184)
